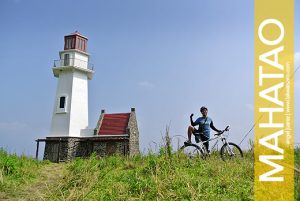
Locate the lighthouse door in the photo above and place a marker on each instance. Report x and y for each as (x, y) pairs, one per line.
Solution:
(52, 151)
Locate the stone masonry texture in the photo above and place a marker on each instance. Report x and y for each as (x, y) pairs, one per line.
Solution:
(58, 149)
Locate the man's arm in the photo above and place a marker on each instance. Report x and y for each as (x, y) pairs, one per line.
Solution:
(213, 127)
(191, 119)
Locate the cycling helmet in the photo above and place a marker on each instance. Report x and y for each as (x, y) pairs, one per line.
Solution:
(203, 108)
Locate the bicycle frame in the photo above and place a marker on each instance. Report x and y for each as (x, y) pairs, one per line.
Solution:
(216, 137)
(229, 150)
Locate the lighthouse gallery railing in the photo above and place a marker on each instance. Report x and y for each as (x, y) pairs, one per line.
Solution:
(73, 62)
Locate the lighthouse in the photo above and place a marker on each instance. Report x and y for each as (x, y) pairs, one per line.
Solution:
(73, 70)
(69, 136)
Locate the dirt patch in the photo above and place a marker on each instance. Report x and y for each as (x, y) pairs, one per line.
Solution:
(49, 175)
(3, 196)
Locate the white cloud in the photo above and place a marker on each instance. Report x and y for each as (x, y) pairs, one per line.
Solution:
(13, 126)
(250, 107)
(146, 84)
(297, 74)
(297, 59)
(297, 84)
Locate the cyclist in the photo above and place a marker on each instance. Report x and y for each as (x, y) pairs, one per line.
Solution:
(205, 123)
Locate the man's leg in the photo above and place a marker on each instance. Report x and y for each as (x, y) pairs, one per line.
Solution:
(190, 131)
(206, 144)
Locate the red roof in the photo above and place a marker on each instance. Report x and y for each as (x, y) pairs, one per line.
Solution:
(114, 124)
(78, 34)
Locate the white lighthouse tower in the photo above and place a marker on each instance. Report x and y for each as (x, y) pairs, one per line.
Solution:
(70, 114)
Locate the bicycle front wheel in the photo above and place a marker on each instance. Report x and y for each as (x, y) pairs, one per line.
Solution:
(231, 151)
(192, 151)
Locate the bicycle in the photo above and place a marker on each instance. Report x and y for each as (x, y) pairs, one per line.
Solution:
(229, 150)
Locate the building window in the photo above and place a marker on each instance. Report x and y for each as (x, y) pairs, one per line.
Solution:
(62, 102)
(84, 45)
(68, 43)
(77, 43)
(73, 43)
(66, 60)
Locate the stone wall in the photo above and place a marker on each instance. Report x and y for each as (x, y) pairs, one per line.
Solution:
(59, 149)
(96, 131)
(133, 131)
(106, 148)
(68, 148)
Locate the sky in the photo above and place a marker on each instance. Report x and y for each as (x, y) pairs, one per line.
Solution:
(164, 58)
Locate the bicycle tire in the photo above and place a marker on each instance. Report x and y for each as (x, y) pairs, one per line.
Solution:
(226, 155)
(192, 151)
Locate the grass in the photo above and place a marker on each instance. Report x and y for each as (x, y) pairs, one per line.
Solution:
(26, 178)
(15, 170)
(164, 176)
(297, 174)
(156, 177)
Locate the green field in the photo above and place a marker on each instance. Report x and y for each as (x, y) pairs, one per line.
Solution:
(164, 176)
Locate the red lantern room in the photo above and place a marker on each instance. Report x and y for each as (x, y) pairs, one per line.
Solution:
(76, 41)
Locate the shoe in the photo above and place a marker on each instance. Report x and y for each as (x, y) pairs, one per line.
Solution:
(188, 142)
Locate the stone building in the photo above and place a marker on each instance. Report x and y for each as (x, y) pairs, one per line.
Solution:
(69, 135)
(115, 134)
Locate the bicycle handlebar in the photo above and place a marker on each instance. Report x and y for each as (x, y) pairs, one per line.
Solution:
(226, 129)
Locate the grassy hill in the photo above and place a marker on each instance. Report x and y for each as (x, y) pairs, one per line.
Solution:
(152, 177)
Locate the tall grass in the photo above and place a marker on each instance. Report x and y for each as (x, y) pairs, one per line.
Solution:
(16, 171)
(167, 175)
(297, 174)
(163, 177)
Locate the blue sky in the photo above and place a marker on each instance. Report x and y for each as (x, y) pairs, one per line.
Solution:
(165, 58)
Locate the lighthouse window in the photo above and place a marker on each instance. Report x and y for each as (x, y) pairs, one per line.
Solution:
(73, 43)
(68, 44)
(66, 59)
(62, 102)
(84, 45)
(82, 41)
(80, 44)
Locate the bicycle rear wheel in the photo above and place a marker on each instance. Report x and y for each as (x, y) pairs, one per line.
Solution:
(192, 151)
(231, 151)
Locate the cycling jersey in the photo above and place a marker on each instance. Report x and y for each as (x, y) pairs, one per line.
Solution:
(205, 123)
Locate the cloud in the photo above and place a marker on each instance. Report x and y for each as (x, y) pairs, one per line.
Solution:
(13, 126)
(297, 59)
(146, 84)
(297, 84)
(250, 107)
(297, 64)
